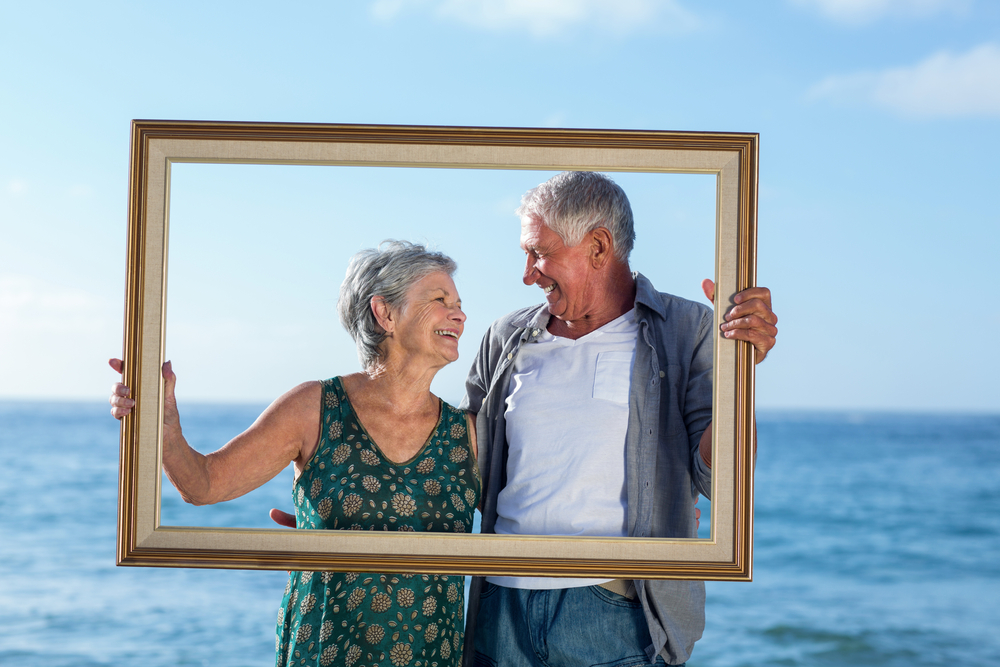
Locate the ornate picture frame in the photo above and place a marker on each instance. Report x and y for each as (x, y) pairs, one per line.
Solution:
(155, 145)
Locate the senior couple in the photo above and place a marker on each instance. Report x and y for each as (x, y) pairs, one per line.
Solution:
(589, 414)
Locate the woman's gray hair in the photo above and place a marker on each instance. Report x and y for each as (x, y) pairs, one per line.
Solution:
(575, 202)
(387, 271)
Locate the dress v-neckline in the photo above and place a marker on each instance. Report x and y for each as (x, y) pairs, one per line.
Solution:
(357, 418)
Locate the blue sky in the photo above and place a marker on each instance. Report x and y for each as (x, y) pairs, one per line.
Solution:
(879, 124)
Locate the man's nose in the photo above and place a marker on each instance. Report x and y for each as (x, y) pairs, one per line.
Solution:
(530, 274)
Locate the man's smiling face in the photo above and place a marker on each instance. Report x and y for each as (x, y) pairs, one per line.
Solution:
(563, 272)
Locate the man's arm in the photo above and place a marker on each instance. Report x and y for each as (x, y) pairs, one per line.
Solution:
(698, 400)
(751, 320)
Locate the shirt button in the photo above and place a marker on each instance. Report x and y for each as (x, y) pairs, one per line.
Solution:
(662, 373)
(534, 332)
(510, 355)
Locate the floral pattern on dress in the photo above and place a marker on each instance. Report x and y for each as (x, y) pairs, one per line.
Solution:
(361, 619)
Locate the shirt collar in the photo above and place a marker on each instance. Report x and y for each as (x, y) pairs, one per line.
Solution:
(645, 295)
(535, 318)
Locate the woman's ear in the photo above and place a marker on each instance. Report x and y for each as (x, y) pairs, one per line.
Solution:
(383, 314)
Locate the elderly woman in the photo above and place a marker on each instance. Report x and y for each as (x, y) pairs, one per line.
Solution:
(369, 449)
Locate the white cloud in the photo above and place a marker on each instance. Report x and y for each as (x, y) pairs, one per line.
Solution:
(555, 119)
(547, 17)
(858, 12)
(54, 339)
(943, 85)
(17, 186)
(390, 9)
(29, 307)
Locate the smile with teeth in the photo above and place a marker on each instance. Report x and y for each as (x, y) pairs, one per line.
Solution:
(445, 332)
(548, 289)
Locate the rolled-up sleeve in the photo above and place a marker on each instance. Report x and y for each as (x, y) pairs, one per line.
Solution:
(698, 401)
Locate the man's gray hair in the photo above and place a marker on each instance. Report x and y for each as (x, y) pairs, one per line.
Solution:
(387, 271)
(575, 202)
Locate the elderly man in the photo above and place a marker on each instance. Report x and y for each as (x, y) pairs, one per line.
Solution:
(594, 418)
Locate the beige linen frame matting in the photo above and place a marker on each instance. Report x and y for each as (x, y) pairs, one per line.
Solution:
(156, 145)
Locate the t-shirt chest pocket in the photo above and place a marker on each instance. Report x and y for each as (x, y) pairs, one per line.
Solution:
(613, 375)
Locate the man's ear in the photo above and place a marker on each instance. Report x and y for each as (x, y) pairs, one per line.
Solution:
(383, 314)
(602, 247)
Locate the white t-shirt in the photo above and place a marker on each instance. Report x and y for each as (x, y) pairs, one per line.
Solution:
(567, 414)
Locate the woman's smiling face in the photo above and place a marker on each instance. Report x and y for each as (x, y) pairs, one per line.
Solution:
(431, 321)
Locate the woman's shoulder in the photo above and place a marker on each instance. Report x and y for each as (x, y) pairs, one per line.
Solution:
(303, 394)
(458, 425)
(299, 402)
(451, 412)
(336, 382)
(332, 394)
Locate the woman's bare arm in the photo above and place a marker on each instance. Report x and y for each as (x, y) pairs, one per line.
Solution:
(287, 431)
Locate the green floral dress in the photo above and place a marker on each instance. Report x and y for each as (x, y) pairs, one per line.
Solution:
(362, 619)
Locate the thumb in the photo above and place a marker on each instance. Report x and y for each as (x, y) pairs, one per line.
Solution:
(282, 518)
(169, 401)
(708, 287)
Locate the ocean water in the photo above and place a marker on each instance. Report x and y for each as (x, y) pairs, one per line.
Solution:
(877, 542)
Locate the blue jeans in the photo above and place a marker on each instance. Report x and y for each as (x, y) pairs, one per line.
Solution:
(564, 627)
